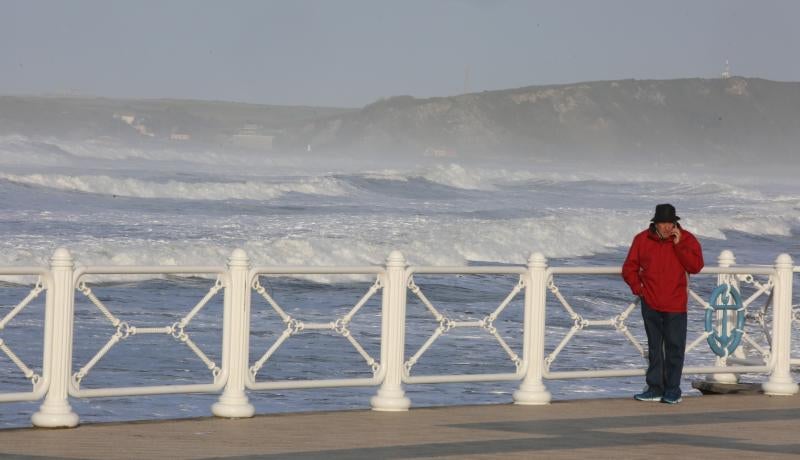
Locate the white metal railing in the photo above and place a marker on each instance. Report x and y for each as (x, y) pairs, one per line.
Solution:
(446, 324)
(38, 381)
(618, 322)
(580, 324)
(233, 373)
(795, 316)
(295, 326)
(127, 330)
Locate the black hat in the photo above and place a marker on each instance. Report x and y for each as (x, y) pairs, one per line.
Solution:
(665, 213)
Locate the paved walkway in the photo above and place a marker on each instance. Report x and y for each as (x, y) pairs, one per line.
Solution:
(718, 426)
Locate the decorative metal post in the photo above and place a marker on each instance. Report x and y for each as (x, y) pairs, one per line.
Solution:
(391, 396)
(726, 259)
(532, 391)
(780, 381)
(235, 340)
(56, 412)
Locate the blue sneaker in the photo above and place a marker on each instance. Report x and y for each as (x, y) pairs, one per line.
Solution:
(648, 395)
(671, 398)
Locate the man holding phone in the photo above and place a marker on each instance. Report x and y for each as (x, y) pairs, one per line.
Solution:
(657, 270)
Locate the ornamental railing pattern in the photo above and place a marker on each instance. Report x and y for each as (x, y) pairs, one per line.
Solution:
(535, 319)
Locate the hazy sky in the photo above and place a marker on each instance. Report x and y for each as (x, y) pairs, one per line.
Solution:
(352, 52)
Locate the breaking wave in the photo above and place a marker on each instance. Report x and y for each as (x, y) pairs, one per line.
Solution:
(190, 190)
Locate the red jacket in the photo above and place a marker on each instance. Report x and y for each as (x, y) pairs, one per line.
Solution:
(658, 269)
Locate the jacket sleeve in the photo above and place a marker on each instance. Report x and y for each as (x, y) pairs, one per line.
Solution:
(690, 254)
(630, 269)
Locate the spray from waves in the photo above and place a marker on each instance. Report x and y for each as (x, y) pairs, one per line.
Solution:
(20, 150)
(753, 224)
(15, 147)
(450, 175)
(720, 191)
(454, 175)
(464, 177)
(139, 188)
(673, 186)
(34, 153)
(423, 240)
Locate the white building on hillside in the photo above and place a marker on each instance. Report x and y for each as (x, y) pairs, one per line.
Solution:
(253, 136)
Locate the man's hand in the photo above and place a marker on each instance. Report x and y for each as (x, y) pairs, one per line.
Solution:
(675, 234)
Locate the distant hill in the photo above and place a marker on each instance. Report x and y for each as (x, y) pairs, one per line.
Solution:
(734, 118)
(729, 119)
(147, 119)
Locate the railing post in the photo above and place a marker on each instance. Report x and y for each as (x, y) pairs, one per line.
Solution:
(726, 259)
(391, 396)
(56, 412)
(235, 342)
(532, 391)
(780, 381)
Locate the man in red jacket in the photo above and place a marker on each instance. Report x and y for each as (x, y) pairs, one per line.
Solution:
(657, 270)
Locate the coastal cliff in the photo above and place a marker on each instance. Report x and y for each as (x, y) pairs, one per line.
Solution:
(726, 119)
(734, 118)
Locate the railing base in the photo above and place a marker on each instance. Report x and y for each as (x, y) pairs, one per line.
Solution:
(534, 395)
(723, 378)
(780, 388)
(390, 401)
(55, 416)
(240, 408)
(717, 388)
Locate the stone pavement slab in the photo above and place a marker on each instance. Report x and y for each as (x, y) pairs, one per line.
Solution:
(718, 426)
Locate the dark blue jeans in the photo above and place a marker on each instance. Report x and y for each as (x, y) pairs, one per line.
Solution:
(666, 345)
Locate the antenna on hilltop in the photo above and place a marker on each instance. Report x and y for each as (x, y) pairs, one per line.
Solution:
(727, 73)
(466, 80)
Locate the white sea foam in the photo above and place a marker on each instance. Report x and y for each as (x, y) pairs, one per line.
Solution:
(342, 241)
(247, 189)
(714, 227)
(684, 184)
(35, 153)
(457, 176)
(305, 215)
(492, 214)
(386, 174)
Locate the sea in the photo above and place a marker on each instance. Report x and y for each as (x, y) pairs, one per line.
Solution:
(110, 203)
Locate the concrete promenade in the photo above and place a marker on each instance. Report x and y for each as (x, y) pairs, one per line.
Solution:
(718, 426)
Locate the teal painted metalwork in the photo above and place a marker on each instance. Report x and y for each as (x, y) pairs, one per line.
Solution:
(726, 298)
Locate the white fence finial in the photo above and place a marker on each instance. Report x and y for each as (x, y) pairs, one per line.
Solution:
(726, 258)
(238, 257)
